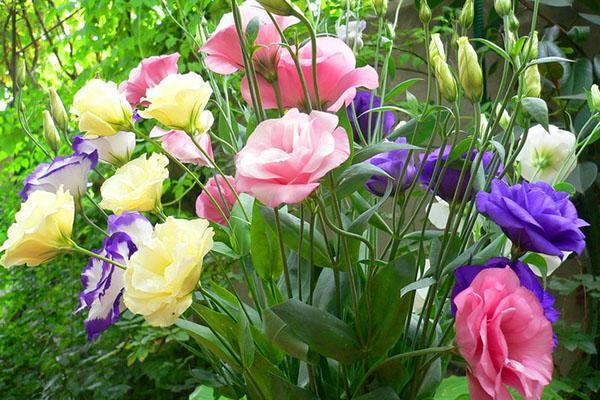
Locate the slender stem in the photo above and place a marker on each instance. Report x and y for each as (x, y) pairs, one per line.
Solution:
(286, 272)
(76, 247)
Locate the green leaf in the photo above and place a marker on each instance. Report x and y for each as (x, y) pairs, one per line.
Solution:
(420, 284)
(399, 88)
(537, 109)
(223, 249)
(495, 48)
(252, 30)
(282, 389)
(279, 333)
(579, 34)
(580, 78)
(453, 388)
(264, 247)
(361, 205)
(557, 3)
(593, 18)
(208, 340)
(324, 333)
(240, 226)
(381, 393)
(371, 150)
(565, 187)
(355, 176)
(583, 176)
(290, 226)
(247, 347)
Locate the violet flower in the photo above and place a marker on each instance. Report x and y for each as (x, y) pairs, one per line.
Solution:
(116, 149)
(534, 216)
(393, 163)
(362, 104)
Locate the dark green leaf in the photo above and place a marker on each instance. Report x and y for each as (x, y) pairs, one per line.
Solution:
(355, 177)
(381, 393)
(537, 109)
(384, 147)
(264, 247)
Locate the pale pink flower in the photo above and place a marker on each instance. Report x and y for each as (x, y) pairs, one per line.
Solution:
(149, 72)
(285, 157)
(222, 193)
(180, 145)
(502, 333)
(337, 77)
(224, 54)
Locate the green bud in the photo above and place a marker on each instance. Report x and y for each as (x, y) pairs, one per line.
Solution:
(534, 43)
(513, 23)
(58, 111)
(436, 50)
(532, 82)
(504, 118)
(446, 81)
(469, 71)
(425, 12)
(466, 14)
(20, 72)
(50, 132)
(594, 98)
(503, 7)
(279, 7)
(380, 7)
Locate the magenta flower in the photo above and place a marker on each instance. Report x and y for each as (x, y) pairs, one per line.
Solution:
(222, 193)
(147, 74)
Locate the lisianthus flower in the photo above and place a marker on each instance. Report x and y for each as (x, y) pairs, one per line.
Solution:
(502, 333)
(42, 229)
(393, 163)
(545, 154)
(68, 172)
(365, 122)
(534, 216)
(224, 54)
(337, 77)
(284, 158)
(180, 145)
(149, 73)
(115, 150)
(351, 33)
(222, 193)
(103, 282)
(448, 184)
(163, 273)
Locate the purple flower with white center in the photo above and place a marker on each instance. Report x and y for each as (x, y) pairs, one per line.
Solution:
(358, 111)
(69, 172)
(448, 184)
(115, 150)
(534, 216)
(393, 163)
(103, 282)
(465, 275)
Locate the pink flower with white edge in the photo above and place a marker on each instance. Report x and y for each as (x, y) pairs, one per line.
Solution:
(502, 333)
(149, 72)
(285, 157)
(224, 54)
(337, 77)
(180, 145)
(221, 192)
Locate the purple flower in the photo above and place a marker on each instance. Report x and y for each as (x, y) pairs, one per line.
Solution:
(103, 282)
(534, 216)
(362, 104)
(115, 149)
(70, 172)
(465, 275)
(451, 177)
(393, 163)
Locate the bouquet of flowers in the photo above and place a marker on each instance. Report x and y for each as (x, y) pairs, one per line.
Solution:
(371, 252)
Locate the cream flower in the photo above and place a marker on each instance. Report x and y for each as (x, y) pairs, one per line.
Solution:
(545, 154)
(136, 186)
(178, 102)
(162, 274)
(42, 229)
(102, 109)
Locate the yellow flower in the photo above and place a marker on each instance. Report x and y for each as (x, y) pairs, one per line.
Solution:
(136, 186)
(163, 273)
(102, 109)
(41, 230)
(178, 102)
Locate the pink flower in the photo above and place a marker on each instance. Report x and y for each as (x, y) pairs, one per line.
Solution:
(225, 197)
(502, 333)
(337, 77)
(285, 158)
(223, 47)
(149, 72)
(181, 146)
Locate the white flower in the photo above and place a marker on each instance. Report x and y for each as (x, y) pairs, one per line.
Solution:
(421, 294)
(552, 263)
(115, 150)
(545, 154)
(351, 34)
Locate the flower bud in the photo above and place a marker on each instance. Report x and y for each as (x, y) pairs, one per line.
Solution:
(20, 72)
(466, 14)
(425, 12)
(436, 50)
(446, 81)
(279, 7)
(532, 82)
(503, 7)
(469, 71)
(380, 7)
(513, 23)
(504, 118)
(594, 98)
(531, 47)
(58, 111)
(50, 132)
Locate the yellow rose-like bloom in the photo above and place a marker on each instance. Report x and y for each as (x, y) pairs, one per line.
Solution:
(471, 76)
(42, 229)
(162, 274)
(102, 109)
(178, 102)
(136, 186)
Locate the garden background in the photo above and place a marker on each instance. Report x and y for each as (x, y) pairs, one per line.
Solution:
(43, 348)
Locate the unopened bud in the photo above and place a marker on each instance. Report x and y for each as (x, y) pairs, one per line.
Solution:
(532, 82)
(380, 7)
(531, 47)
(504, 117)
(446, 81)
(20, 72)
(59, 113)
(425, 12)
(503, 7)
(594, 98)
(50, 132)
(469, 71)
(466, 14)
(436, 50)
(513, 23)
(279, 7)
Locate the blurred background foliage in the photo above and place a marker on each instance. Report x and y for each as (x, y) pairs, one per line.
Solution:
(64, 43)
